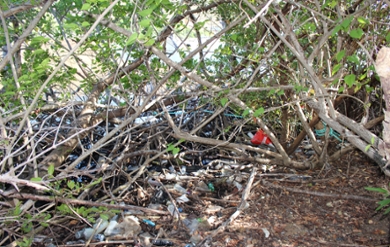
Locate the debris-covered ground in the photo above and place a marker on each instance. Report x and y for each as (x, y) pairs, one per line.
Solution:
(284, 208)
(148, 189)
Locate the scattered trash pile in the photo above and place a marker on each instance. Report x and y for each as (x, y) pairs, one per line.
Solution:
(196, 186)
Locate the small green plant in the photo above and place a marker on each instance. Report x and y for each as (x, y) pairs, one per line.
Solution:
(369, 145)
(385, 202)
(172, 148)
(26, 242)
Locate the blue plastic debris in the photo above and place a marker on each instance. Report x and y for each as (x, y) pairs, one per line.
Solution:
(211, 186)
(332, 132)
(149, 222)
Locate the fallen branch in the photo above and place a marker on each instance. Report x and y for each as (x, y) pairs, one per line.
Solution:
(82, 202)
(14, 181)
(322, 194)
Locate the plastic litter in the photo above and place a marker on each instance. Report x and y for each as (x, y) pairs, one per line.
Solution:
(172, 211)
(179, 188)
(149, 222)
(162, 242)
(202, 186)
(332, 132)
(143, 120)
(99, 237)
(238, 185)
(206, 161)
(97, 228)
(160, 197)
(211, 187)
(266, 232)
(111, 226)
(191, 224)
(128, 228)
(261, 138)
(182, 199)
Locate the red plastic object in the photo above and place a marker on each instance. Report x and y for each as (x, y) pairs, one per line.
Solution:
(261, 138)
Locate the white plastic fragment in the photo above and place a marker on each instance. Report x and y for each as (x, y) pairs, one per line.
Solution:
(238, 185)
(143, 120)
(179, 188)
(97, 228)
(170, 176)
(182, 198)
(266, 232)
(172, 211)
(111, 226)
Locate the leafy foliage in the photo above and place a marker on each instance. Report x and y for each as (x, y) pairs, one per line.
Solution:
(263, 67)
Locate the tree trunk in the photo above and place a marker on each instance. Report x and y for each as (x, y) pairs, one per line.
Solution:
(382, 67)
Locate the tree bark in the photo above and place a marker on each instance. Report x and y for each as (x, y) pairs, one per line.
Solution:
(382, 67)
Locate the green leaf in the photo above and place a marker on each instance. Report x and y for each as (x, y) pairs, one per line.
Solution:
(362, 20)
(224, 101)
(71, 26)
(367, 148)
(145, 12)
(133, 37)
(86, 6)
(38, 179)
(170, 147)
(70, 184)
(104, 217)
(199, 25)
(353, 59)
(175, 151)
(336, 68)
(347, 22)
(384, 202)
(38, 51)
(380, 190)
(280, 92)
(149, 32)
(39, 40)
(340, 55)
(47, 217)
(50, 170)
(145, 23)
(115, 211)
(350, 80)
(387, 211)
(388, 37)
(44, 224)
(333, 3)
(150, 42)
(246, 112)
(336, 29)
(356, 33)
(258, 112)
(85, 24)
(95, 182)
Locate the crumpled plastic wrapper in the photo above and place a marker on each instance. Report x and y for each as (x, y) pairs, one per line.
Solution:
(127, 229)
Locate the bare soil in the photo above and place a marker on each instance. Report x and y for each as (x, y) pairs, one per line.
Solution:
(300, 219)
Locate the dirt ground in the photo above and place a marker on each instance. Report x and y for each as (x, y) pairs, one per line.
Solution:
(282, 217)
